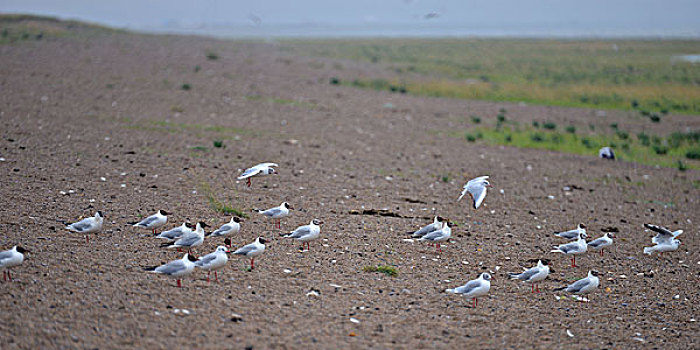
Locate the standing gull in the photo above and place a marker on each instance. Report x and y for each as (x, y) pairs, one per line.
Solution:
(278, 212)
(176, 268)
(231, 228)
(11, 258)
(154, 221)
(258, 170)
(572, 234)
(213, 261)
(573, 248)
(436, 225)
(252, 250)
(176, 233)
(88, 225)
(306, 233)
(438, 236)
(602, 242)
(533, 275)
(189, 240)
(474, 288)
(477, 190)
(584, 285)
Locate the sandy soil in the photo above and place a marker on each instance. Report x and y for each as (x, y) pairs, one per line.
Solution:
(80, 108)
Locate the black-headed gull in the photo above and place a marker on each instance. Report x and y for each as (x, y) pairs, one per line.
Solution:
(189, 240)
(88, 225)
(278, 212)
(663, 234)
(665, 240)
(477, 190)
(606, 153)
(176, 268)
(572, 234)
(10, 258)
(434, 226)
(154, 221)
(176, 233)
(573, 248)
(584, 285)
(213, 261)
(602, 242)
(258, 170)
(306, 233)
(533, 275)
(228, 229)
(252, 250)
(438, 236)
(474, 288)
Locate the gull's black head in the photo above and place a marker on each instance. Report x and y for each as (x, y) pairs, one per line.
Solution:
(595, 273)
(582, 225)
(262, 240)
(610, 235)
(189, 225)
(227, 241)
(163, 212)
(202, 224)
(99, 214)
(286, 205)
(271, 171)
(317, 221)
(440, 218)
(236, 219)
(22, 250)
(191, 257)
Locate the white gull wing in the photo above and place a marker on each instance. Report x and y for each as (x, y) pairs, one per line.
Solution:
(663, 234)
(601, 242)
(255, 170)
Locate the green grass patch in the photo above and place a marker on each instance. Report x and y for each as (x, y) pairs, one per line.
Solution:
(664, 151)
(635, 75)
(216, 204)
(387, 270)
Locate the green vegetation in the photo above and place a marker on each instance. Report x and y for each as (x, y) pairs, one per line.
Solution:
(387, 270)
(666, 151)
(212, 56)
(186, 87)
(476, 119)
(216, 204)
(642, 75)
(219, 144)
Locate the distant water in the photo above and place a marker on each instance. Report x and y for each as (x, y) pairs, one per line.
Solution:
(424, 30)
(688, 58)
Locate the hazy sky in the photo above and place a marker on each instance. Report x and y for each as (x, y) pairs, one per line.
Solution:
(631, 17)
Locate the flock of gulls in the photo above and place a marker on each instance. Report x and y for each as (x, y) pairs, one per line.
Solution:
(187, 237)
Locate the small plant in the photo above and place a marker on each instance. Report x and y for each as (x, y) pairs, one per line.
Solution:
(471, 138)
(535, 124)
(588, 143)
(335, 81)
(571, 129)
(613, 126)
(681, 165)
(501, 118)
(623, 135)
(186, 87)
(644, 139)
(218, 143)
(508, 138)
(537, 137)
(387, 270)
(476, 119)
(200, 148)
(591, 127)
(212, 56)
(549, 125)
(502, 111)
(634, 104)
(693, 153)
(197, 68)
(655, 118)
(445, 178)
(660, 150)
